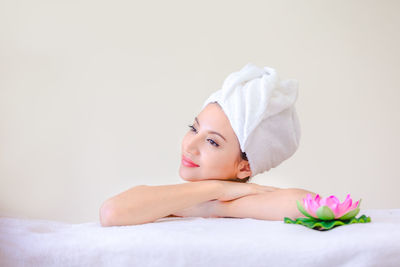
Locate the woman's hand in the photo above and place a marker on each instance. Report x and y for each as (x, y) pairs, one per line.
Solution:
(234, 190)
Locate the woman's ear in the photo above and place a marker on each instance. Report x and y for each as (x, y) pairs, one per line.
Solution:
(243, 169)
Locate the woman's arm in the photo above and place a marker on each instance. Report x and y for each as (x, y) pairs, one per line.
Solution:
(143, 204)
(208, 209)
(267, 206)
(215, 208)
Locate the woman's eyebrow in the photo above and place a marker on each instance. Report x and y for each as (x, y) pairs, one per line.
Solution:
(212, 132)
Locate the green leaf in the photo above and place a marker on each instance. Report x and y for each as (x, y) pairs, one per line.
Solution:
(322, 225)
(302, 210)
(350, 214)
(325, 213)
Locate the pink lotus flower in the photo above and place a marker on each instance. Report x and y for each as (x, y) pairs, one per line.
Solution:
(329, 208)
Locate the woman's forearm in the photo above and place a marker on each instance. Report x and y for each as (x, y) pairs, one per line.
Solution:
(268, 206)
(143, 204)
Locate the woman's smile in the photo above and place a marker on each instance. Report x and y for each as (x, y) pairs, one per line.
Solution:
(188, 163)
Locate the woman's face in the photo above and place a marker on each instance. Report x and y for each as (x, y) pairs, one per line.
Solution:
(212, 145)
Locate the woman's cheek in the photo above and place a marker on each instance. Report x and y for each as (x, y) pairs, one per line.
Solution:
(219, 161)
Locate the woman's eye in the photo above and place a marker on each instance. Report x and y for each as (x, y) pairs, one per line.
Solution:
(192, 128)
(212, 142)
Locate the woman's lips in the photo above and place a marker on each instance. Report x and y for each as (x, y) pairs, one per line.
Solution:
(188, 163)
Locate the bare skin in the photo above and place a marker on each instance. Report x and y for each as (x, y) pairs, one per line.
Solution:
(212, 145)
(272, 205)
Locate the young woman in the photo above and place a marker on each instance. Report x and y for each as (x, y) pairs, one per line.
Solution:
(251, 116)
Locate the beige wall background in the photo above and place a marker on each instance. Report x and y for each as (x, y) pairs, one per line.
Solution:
(95, 96)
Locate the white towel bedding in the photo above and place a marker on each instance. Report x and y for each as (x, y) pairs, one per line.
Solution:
(201, 242)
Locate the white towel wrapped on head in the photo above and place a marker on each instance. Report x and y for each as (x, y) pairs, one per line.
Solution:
(260, 108)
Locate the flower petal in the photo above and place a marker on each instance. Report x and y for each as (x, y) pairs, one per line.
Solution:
(317, 199)
(332, 202)
(336, 210)
(335, 199)
(302, 210)
(344, 207)
(307, 207)
(325, 213)
(350, 214)
(312, 207)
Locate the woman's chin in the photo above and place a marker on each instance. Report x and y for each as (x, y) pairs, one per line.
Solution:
(188, 175)
(189, 179)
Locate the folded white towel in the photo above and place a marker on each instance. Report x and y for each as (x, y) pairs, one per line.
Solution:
(201, 242)
(261, 111)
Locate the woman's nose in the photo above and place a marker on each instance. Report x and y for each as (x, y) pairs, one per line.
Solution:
(192, 145)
